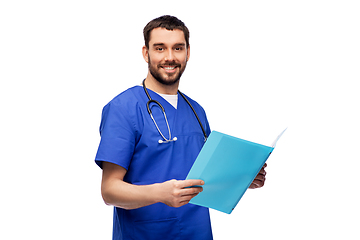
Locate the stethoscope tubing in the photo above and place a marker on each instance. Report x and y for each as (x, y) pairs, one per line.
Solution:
(163, 110)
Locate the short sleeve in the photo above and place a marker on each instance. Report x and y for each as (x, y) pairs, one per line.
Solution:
(117, 136)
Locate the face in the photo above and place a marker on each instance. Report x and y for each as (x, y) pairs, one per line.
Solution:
(167, 55)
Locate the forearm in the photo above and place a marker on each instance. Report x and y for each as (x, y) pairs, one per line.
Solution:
(121, 194)
(129, 196)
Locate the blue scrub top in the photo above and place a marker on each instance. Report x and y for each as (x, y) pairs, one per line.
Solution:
(129, 138)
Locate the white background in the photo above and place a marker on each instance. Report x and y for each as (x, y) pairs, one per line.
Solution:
(256, 67)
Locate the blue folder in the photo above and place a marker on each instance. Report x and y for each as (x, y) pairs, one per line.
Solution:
(228, 165)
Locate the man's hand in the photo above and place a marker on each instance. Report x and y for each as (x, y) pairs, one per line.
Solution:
(176, 193)
(259, 180)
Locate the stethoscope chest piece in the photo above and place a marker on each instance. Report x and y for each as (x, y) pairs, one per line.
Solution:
(166, 141)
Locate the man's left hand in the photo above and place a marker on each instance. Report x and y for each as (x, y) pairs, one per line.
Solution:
(259, 180)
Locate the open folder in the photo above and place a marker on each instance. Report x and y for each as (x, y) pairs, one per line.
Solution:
(228, 165)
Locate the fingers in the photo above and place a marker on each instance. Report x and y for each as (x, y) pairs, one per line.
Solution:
(257, 184)
(262, 171)
(188, 194)
(191, 191)
(259, 180)
(189, 187)
(182, 192)
(190, 183)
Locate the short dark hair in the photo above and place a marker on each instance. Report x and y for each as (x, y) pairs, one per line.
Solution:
(168, 22)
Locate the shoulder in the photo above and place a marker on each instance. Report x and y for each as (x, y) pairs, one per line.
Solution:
(123, 111)
(126, 104)
(126, 97)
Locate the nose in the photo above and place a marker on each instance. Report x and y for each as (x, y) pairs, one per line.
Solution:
(169, 55)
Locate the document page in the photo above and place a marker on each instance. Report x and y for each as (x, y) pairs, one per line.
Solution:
(278, 137)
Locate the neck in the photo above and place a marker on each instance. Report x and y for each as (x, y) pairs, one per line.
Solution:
(152, 84)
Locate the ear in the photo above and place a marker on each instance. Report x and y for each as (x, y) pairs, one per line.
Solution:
(188, 53)
(145, 53)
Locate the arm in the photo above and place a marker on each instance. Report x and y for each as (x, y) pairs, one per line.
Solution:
(128, 196)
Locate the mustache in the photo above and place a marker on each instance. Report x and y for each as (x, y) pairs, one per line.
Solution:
(171, 64)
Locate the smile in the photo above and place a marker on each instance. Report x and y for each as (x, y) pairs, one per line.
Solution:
(169, 69)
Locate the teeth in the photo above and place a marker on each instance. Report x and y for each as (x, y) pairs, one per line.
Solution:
(169, 68)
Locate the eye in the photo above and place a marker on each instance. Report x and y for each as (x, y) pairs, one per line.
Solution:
(178, 48)
(160, 49)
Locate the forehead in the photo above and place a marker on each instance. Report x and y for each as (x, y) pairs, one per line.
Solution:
(167, 37)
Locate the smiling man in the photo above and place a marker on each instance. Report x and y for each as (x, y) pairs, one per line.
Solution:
(168, 58)
(169, 51)
(146, 154)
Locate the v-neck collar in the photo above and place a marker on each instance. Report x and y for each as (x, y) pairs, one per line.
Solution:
(172, 99)
(157, 96)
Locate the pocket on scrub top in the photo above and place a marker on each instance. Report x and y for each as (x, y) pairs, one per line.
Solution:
(157, 229)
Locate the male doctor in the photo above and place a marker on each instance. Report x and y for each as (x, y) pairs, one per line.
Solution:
(142, 176)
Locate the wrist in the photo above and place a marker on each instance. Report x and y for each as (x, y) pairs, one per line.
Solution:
(154, 193)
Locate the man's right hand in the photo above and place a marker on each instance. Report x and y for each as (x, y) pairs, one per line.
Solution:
(177, 193)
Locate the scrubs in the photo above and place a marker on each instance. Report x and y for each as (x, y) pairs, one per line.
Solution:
(129, 138)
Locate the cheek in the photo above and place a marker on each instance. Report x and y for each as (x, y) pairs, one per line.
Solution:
(154, 60)
(184, 58)
(184, 62)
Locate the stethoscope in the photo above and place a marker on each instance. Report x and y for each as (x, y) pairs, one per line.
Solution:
(170, 139)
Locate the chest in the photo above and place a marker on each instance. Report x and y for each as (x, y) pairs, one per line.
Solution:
(156, 162)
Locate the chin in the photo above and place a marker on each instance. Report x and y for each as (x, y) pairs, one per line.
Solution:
(165, 80)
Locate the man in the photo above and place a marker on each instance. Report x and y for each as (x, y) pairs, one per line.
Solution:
(145, 160)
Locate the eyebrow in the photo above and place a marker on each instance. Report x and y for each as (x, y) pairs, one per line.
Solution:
(158, 44)
(162, 44)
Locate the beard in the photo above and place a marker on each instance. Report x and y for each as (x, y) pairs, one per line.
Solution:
(166, 78)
